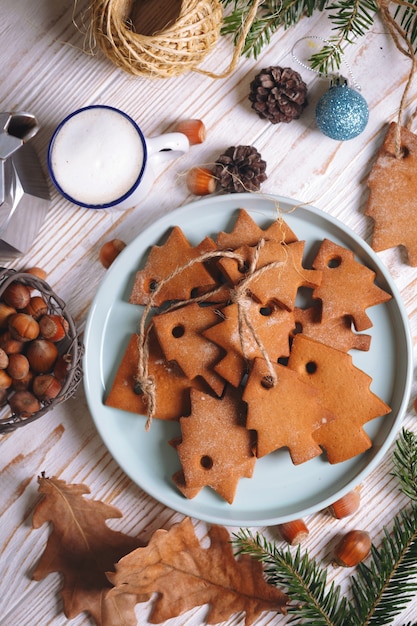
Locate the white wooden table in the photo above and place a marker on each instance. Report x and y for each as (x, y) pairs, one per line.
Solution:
(45, 71)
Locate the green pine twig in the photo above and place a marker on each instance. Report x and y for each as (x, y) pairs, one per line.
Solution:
(349, 19)
(381, 588)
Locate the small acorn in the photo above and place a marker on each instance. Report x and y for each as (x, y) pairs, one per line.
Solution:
(293, 532)
(353, 548)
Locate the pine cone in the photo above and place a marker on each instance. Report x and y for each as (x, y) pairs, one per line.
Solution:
(278, 94)
(240, 168)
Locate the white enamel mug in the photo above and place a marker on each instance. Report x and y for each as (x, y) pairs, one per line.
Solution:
(99, 158)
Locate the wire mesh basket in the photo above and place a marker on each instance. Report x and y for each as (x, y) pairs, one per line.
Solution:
(69, 347)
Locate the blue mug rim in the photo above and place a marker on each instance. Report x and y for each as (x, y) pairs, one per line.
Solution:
(105, 205)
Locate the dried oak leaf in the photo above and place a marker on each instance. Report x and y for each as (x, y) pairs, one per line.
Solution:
(184, 575)
(83, 548)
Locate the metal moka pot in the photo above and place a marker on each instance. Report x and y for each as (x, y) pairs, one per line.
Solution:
(24, 192)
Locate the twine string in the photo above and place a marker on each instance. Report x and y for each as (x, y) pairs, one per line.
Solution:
(399, 34)
(238, 293)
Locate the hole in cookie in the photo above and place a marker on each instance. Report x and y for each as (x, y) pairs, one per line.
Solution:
(137, 388)
(311, 367)
(153, 284)
(267, 382)
(405, 152)
(178, 331)
(334, 262)
(206, 461)
(243, 267)
(265, 311)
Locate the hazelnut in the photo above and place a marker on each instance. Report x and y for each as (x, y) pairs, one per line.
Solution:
(42, 355)
(46, 387)
(17, 295)
(193, 129)
(346, 505)
(4, 359)
(36, 307)
(9, 344)
(5, 312)
(353, 548)
(18, 366)
(110, 250)
(5, 380)
(24, 403)
(23, 327)
(36, 271)
(293, 532)
(53, 327)
(201, 181)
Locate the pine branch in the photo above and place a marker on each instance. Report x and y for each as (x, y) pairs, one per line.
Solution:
(380, 589)
(405, 463)
(302, 578)
(349, 20)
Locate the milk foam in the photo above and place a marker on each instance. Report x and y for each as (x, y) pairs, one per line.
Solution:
(97, 156)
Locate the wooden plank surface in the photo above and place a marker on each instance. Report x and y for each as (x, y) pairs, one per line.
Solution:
(44, 69)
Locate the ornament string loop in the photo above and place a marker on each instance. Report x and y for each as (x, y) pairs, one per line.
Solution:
(312, 69)
(342, 112)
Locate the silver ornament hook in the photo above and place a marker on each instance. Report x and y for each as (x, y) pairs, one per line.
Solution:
(329, 43)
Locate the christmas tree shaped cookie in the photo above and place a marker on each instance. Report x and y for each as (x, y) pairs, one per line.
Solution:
(347, 286)
(242, 334)
(344, 390)
(334, 331)
(180, 336)
(272, 272)
(172, 387)
(216, 449)
(284, 413)
(161, 266)
(393, 192)
(246, 231)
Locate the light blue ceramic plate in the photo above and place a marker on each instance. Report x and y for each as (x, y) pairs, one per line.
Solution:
(278, 490)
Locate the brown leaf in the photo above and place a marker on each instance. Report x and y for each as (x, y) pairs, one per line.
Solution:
(185, 575)
(83, 548)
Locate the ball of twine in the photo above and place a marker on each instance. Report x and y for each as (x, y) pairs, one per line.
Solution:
(172, 51)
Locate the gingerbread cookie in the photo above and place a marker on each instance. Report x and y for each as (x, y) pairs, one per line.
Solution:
(180, 335)
(244, 331)
(216, 449)
(273, 272)
(171, 385)
(335, 331)
(344, 390)
(165, 261)
(347, 286)
(284, 412)
(393, 190)
(246, 231)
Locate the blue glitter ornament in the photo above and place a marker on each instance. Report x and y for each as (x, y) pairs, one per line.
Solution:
(342, 112)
